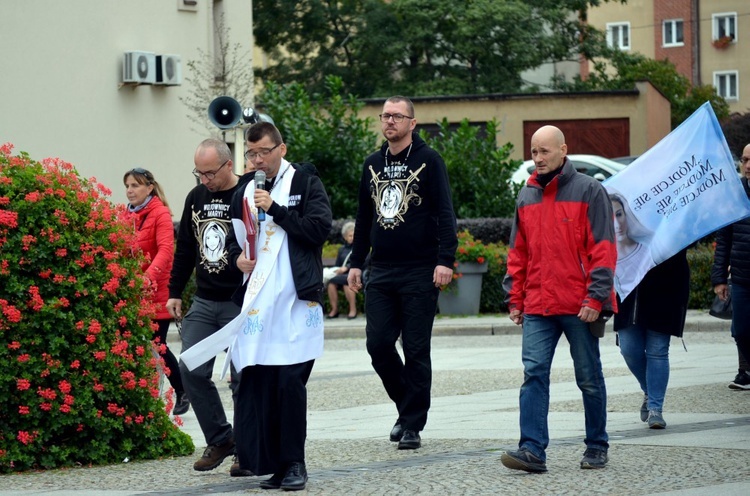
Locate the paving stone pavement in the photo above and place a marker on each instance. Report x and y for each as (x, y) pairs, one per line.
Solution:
(474, 418)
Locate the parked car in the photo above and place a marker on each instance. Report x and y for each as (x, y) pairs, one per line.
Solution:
(626, 160)
(595, 166)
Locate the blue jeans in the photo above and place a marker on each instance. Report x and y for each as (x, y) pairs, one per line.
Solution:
(646, 353)
(540, 337)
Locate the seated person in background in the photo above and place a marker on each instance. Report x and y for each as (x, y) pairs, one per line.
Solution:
(339, 280)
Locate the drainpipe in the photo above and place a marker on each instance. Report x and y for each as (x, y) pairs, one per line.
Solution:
(695, 41)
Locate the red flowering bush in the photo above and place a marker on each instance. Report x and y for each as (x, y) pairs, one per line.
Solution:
(469, 251)
(80, 375)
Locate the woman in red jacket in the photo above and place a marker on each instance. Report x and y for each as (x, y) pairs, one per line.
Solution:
(153, 224)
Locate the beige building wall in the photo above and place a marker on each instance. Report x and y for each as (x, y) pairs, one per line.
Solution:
(646, 109)
(61, 85)
(733, 58)
(639, 14)
(644, 25)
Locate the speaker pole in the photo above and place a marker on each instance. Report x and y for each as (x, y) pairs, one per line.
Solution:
(239, 150)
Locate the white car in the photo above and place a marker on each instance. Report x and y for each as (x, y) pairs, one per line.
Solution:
(595, 166)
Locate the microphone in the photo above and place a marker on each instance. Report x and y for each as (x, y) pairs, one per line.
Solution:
(260, 183)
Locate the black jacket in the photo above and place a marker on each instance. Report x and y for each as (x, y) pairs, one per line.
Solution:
(733, 250)
(307, 223)
(405, 211)
(659, 302)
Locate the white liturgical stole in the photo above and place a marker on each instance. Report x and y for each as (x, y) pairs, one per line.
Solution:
(274, 327)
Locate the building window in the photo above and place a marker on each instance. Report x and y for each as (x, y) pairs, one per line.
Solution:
(726, 83)
(724, 24)
(672, 33)
(618, 35)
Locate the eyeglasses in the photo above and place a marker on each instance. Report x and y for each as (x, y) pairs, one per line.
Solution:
(264, 152)
(208, 175)
(142, 172)
(396, 117)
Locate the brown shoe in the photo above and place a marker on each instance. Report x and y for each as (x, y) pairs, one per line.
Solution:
(214, 455)
(236, 471)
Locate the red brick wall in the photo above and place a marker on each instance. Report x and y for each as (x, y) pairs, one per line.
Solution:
(680, 56)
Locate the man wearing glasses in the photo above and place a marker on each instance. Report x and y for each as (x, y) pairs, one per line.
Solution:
(279, 334)
(730, 258)
(201, 247)
(406, 217)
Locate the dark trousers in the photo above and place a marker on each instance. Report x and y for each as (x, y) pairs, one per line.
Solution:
(270, 417)
(741, 318)
(402, 301)
(204, 318)
(175, 379)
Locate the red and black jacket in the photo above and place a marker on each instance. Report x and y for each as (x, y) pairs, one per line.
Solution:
(562, 248)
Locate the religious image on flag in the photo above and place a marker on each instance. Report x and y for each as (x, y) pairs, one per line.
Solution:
(682, 189)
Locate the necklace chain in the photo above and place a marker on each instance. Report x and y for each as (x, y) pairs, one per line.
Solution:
(279, 178)
(390, 173)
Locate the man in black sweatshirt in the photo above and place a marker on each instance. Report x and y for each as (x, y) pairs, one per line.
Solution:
(201, 246)
(406, 217)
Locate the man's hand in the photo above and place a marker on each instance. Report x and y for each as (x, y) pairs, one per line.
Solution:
(262, 199)
(516, 316)
(245, 265)
(354, 280)
(442, 275)
(588, 314)
(722, 291)
(174, 307)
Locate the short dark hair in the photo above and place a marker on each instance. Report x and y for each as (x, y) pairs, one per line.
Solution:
(257, 131)
(409, 104)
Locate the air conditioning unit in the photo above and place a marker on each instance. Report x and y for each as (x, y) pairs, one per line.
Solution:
(139, 67)
(168, 70)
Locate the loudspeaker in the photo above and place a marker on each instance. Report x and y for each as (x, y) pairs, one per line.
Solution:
(225, 112)
(252, 116)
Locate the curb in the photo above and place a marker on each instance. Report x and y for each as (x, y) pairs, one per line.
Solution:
(487, 325)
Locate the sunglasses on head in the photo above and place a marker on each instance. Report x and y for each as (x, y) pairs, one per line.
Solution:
(142, 172)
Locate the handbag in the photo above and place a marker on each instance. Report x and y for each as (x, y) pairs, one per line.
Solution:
(722, 309)
(329, 273)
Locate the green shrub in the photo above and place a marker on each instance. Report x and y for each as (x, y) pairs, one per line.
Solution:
(700, 258)
(478, 169)
(493, 295)
(324, 130)
(80, 375)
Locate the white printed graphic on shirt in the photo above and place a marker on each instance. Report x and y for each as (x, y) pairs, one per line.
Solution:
(393, 193)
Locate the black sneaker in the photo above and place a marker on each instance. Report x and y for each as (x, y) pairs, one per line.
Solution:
(594, 458)
(523, 459)
(741, 382)
(181, 404)
(214, 455)
(644, 408)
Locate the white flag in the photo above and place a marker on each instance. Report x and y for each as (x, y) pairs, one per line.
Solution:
(682, 189)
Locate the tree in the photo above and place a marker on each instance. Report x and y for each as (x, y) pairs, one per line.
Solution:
(229, 72)
(478, 169)
(737, 132)
(324, 129)
(380, 48)
(632, 67)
